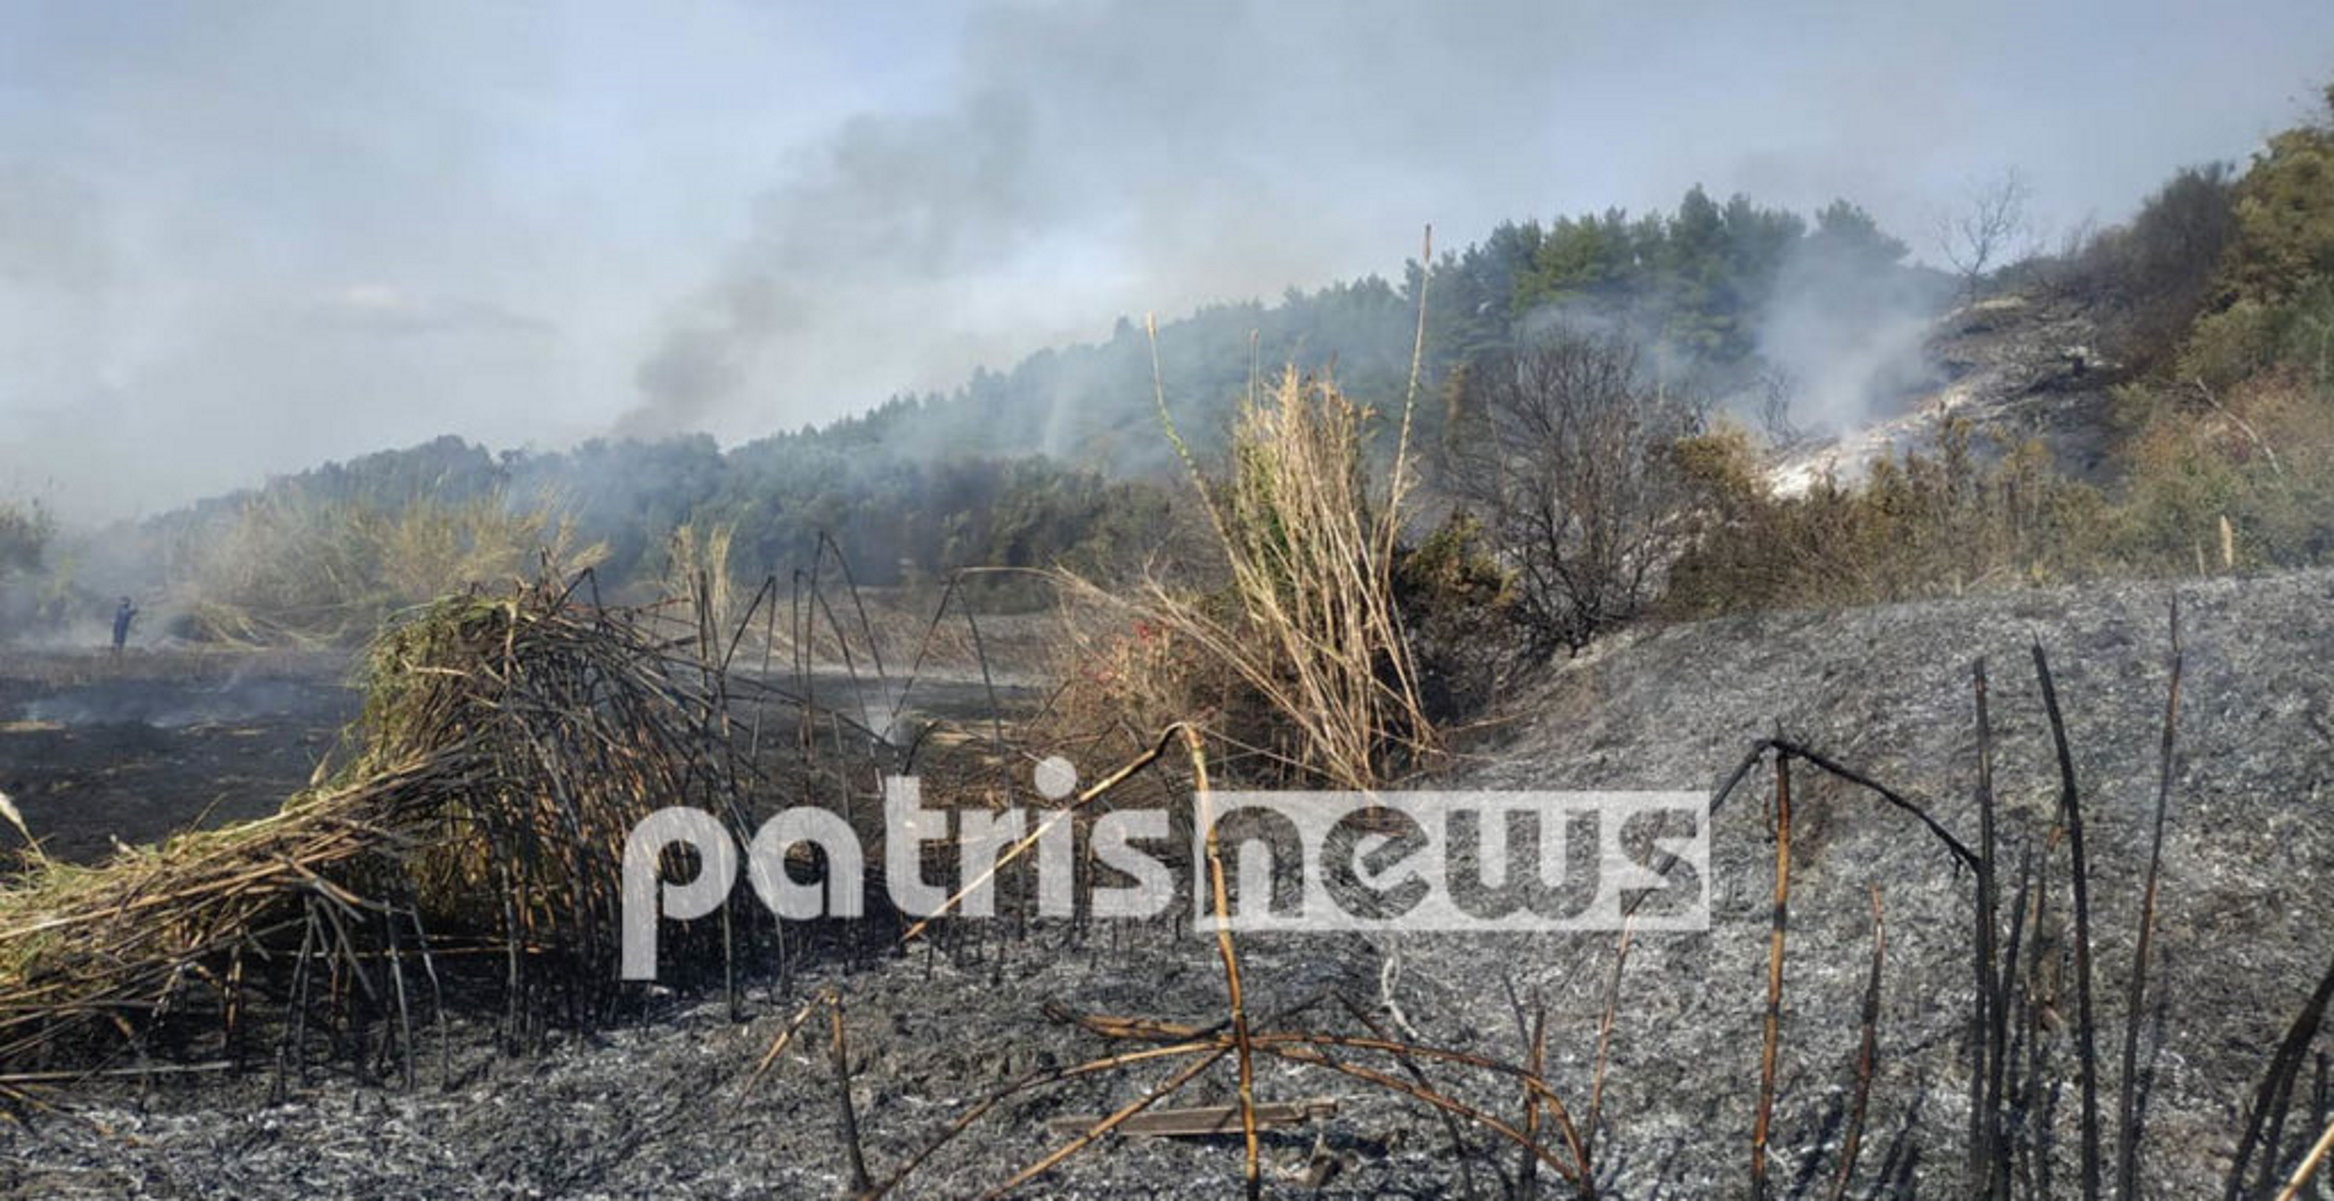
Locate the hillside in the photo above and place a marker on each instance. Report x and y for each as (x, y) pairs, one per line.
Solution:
(1064, 456)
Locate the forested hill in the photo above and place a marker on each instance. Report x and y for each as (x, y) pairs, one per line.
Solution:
(1050, 458)
(1729, 291)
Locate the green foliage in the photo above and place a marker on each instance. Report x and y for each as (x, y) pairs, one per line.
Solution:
(34, 586)
(1698, 280)
(1846, 234)
(2285, 215)
(2259, 456)
(2156, 273)
(25, 531)
(1457, 607)
(2232, 344)
(2230, 280)
(2229, 458)
(1599, 260)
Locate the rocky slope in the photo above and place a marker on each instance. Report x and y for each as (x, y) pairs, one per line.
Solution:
(2015, 366)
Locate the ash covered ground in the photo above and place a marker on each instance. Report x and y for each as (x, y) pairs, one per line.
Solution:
(655, 1103)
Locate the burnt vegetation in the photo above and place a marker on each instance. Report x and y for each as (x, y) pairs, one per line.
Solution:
(1317, 592)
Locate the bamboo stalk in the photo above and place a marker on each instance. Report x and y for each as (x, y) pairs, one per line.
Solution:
(1867, 1055)
(2135, 996)
(2086, 1025)
(2309, 1167)
(1252, 1167)
(1773, 1030)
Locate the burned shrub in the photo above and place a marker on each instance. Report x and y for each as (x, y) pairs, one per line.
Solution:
(1563, 449)
(2158, 271)
(1458, 614)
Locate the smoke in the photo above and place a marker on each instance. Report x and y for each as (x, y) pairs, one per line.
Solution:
(59, 283)
(230, 247)
(868, 245)
(1085, 160)
(1849, 336)
(174, 704)
(1091, 160)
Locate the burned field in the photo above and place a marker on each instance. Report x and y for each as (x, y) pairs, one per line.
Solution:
(837, 1057)
(95, 748)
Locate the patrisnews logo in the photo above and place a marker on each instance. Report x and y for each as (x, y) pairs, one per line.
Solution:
(1481, 861)
(1293, 861)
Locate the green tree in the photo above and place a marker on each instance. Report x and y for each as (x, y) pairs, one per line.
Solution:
(25, 530)
(1846, 234)
(2285, 215)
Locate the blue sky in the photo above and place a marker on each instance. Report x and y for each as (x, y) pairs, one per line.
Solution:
(245, 237)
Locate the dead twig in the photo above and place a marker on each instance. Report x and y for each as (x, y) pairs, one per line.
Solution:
(2070, 809)
(2135, 996)
(1867, 1054)
(2310, 1165)
(1772, 1032)
(2266, 1117)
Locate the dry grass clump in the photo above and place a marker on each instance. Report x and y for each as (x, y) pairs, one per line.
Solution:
(2257, 456)
(1301, 656)
(555, 727)
(292, 568)
(697, 565)
(2212, 481)
(1961, 517)
(506, 748)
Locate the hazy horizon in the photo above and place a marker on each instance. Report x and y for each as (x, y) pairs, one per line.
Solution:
(242, 240)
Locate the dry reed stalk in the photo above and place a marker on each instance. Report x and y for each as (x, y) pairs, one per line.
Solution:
(1867, 1055)
(1118, 1118)
(2135, 996)
(1989, 1020)
(1806, 754)
(2309, 1168)
(2266, 1116)
(1221, 895)
(1527, 1170)
(1772, 1031)
(1459, 1149)
(2070, 809)
(1596, 1090)
(847, 1115)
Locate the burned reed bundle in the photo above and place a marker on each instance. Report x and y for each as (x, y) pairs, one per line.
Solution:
(506, 748)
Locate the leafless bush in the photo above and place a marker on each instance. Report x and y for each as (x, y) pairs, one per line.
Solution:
(1774, 388)
(1991, 230)
(1563, 448)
